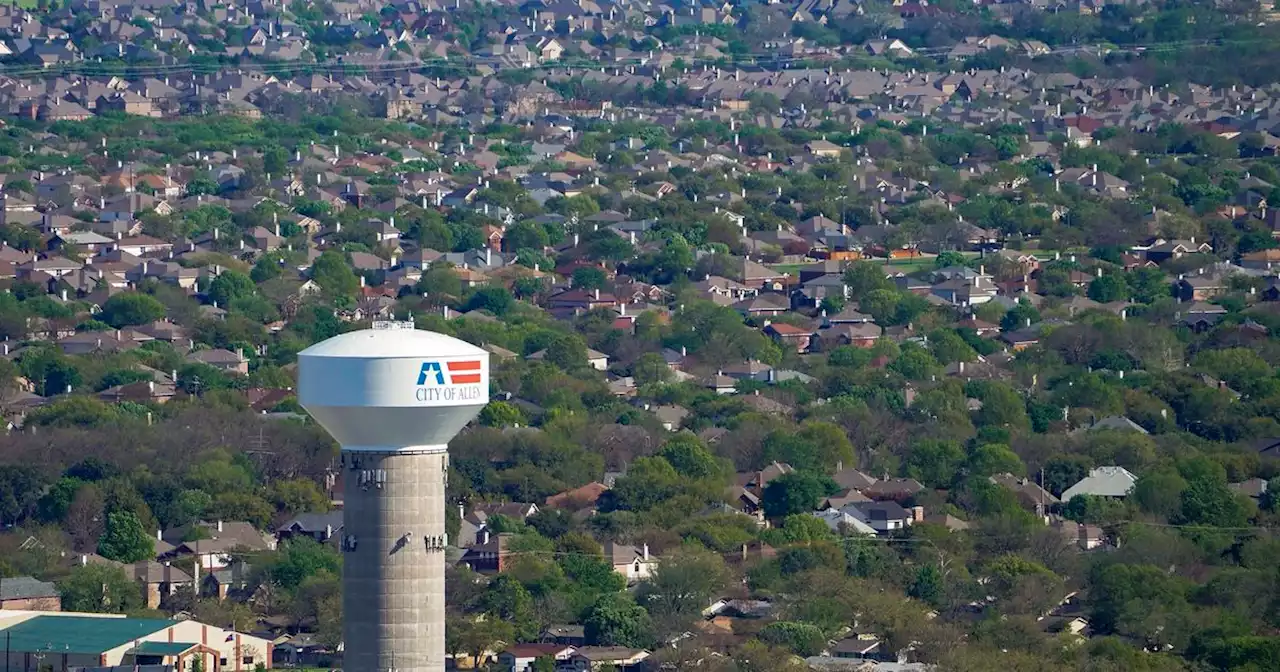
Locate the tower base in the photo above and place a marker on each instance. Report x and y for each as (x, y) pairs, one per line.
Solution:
(393, 541)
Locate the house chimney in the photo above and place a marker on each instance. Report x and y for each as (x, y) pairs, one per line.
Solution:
(219, 524)
(645, 552)
(597, 295)
(917, 514)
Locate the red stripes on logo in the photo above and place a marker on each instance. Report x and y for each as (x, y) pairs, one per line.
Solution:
(462, 373)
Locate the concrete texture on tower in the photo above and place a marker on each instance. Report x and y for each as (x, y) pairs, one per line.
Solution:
(393, 574)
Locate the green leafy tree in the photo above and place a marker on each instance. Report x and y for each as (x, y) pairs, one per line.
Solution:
(21, 487)
(690, 457)
(440, 280)
(1020, 316)
(994, 458)
(299, 559)
(125, 540)
(863, 277)
(796, 492)
(802, 639)
(231, 285)
(927, 586)
(616, 620)
(682, 585)
(99, 589)
(502, 414)
(525, 236)
(497, 300)
(1207, 500)
(567, 351)
(650, 368)
(1108, 288)
(589, 278)
(131, 308)
(935, 463)
(334, 275)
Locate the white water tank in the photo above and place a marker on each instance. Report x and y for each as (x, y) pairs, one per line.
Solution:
(393, 387)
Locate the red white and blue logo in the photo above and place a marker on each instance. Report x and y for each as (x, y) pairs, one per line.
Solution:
(463, 372)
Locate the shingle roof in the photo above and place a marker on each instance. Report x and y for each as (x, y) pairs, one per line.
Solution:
(25, 587)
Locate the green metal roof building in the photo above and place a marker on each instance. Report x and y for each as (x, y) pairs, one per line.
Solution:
(64, 642)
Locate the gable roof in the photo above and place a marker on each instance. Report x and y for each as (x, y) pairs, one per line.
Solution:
(1103, 482)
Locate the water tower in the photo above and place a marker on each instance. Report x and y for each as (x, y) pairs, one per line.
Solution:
(393, 397)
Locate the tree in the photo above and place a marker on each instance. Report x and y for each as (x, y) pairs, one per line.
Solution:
(125, 540)
(1159, 492)
(935, 463)
(99, 589)
(796, 492)
(440, 280)
(299, 559)
(802, 639)
(298, 495)
(690, 457)
(1207, 500)
(509, 601)
(525, 236)
(20, 489)
(84, 517)
(1108, 288)
(332, 272)
(477, 637)
(650, 368)
(131, 308)
(229, 286)
(568, 352)
(682, 585)
(502, 414)
(616, 620)
(863, 277)
(497, 300)
(927, 585)
(1133, 600)
(589, 278)
(994, 458)
(1020, 316)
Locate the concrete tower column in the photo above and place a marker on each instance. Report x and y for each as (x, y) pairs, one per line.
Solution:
(393, 570)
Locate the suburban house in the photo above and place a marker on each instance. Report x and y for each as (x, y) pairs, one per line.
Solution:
(26, 593)
(884, 517)
(520, 657)
(223, 360)
(319, 526)
(788, 336)
(210, 545)
(633, 563)
(595, 658)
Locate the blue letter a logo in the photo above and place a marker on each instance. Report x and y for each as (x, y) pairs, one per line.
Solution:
(431, 369)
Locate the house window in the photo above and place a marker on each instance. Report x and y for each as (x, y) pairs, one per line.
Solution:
(222, 662)
(248, 660)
